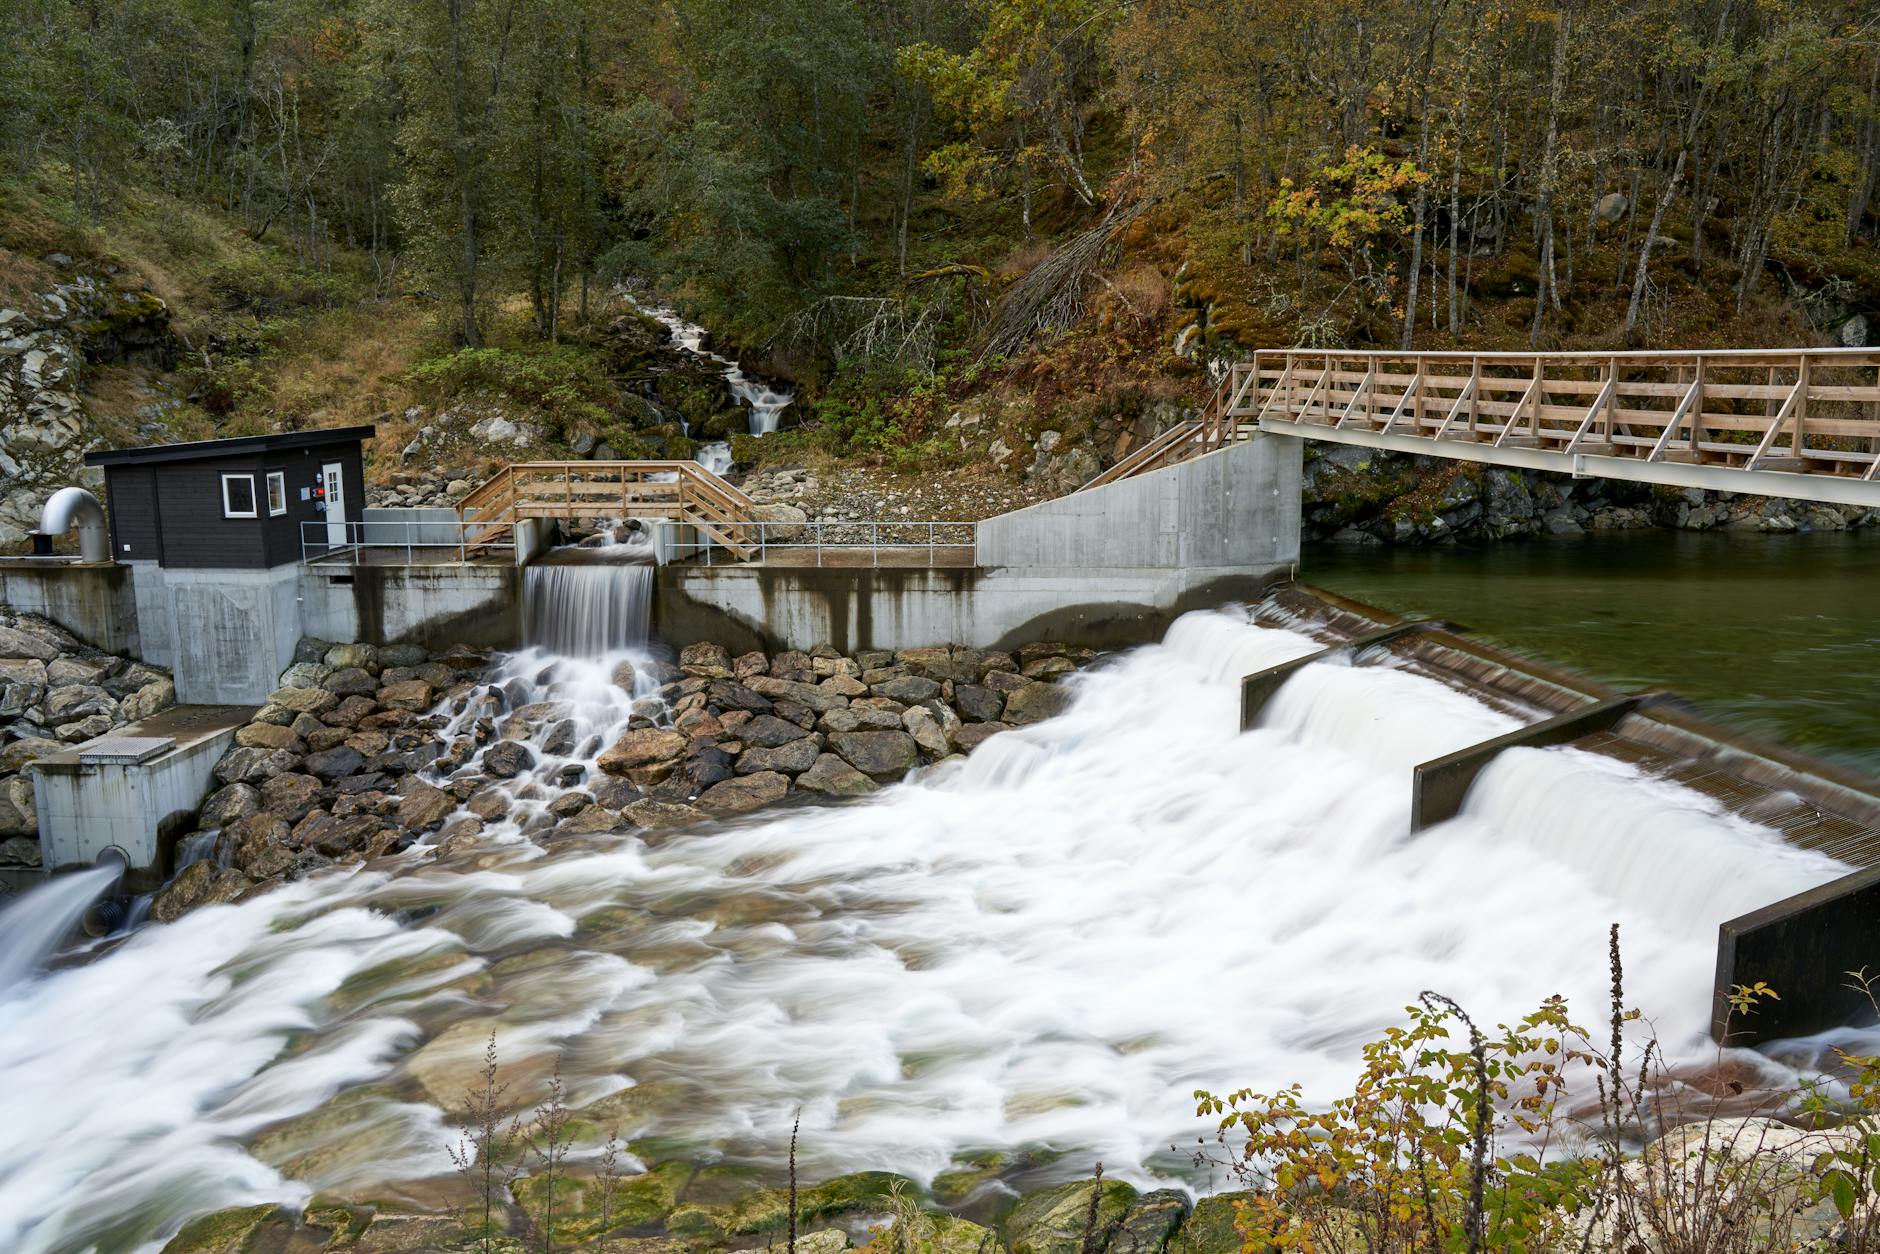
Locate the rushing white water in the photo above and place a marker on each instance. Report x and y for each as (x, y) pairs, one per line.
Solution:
(586, 602)
(765, 402)
(40, 921)
(1052, 943)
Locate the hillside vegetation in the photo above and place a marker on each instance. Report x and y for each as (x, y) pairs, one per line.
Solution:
(1038, 214)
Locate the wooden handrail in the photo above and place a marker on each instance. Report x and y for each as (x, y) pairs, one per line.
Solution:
(585, 489)
(1808, 411)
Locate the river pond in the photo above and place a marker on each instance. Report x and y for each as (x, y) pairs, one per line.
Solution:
(1774, 634)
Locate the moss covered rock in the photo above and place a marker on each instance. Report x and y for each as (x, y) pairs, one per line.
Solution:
(1209, 1228)
(240, 1230)
(1054, 1221)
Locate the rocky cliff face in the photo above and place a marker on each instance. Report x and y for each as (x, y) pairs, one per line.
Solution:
(44, 349)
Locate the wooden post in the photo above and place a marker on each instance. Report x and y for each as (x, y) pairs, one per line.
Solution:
(1475, 394)
(1612, 396)
(1534, 405)
(1697, 410)
(1801, 407)
(1423, 370)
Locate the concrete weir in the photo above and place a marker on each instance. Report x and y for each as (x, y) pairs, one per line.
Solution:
(1105, 567)
(1804, 947)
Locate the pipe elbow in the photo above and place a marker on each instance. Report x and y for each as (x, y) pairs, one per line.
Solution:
(75, 507)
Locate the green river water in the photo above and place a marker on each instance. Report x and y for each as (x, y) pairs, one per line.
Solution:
(1777, 635)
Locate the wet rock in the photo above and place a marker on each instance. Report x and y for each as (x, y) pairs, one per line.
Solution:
(229, 803)
(335, 762)
(745, 793)
(832, 776)
(1036, 702)
(929, 729)
(661, 815)
(726, 695)
(488, 804)
(570, 804)
(423, 806)
(257, 846)
(706, 661)
(591, 818)
(972, 735)
(559, 739)
(1047, 667)
(1053, 1221)
(507, 759)
(881, 754)
(792, 759)
(1149, 1222)
(642, 748)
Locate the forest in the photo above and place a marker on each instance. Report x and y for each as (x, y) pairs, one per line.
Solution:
(895, 187)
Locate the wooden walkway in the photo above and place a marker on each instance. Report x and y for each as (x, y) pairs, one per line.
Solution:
(1802, 423)
(681, 490)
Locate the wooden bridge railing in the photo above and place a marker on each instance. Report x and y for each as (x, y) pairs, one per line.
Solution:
(680, 490)
(1806, 411)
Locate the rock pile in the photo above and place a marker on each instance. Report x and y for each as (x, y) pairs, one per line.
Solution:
(43, 350)
(365, 751)
(56, 692)
(326, 771)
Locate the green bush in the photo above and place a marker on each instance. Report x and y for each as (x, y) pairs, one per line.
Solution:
(566, 382)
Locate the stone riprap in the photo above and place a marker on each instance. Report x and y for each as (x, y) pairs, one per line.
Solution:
(57, 692)
(364, 751)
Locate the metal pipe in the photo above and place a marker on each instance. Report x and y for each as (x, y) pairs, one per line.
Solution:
(75, 507)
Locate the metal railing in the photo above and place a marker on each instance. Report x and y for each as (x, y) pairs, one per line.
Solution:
(864, 544)
(381, 540)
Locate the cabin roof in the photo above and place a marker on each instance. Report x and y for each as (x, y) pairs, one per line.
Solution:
(239, 446)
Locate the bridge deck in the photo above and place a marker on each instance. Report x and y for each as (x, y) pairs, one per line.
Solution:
(1800, 423)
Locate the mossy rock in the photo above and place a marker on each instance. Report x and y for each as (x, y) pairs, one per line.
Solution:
(582, 1211)
(724, 424)
(241, 1230)
(721, 1202)
(922, 1232)
(1149, 1223)
(1053, 1221)
(1209, 1228)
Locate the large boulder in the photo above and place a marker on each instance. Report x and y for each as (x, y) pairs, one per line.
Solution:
(706, 660)
(1054, 1221)
(409, 694)
(834, 777)
(881, 754)
(290, 796)
(335, 763)
(507, 759)
(15, 643)
(645, 747)
(227, 804)
(1036, 702)
(423, 805)
(254, 765)
(746, 792)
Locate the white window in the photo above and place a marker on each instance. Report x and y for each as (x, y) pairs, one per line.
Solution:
(238, 496)
(277, 493)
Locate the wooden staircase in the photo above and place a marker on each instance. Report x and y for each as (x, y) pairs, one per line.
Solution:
(683, 491)
(1215, 428)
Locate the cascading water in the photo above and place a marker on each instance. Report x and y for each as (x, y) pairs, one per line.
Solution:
(1051, 943)
(581, 602)
(765, 402)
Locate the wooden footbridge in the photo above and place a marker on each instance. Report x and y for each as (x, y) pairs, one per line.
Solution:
(1801, 423)
(680, 490)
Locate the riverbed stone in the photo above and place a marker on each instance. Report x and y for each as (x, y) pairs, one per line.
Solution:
(642, 748)
(290, 795)
(745, 793)
(832, 776)
(507, 759)
(423, 806)
(792, 759)
(229, 803)
(657, 815)
(1053, 1221)
(591, 818)
(1036, 702)
(972, 735)
(881, 754)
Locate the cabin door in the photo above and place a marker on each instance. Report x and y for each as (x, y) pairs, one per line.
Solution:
(333, 481)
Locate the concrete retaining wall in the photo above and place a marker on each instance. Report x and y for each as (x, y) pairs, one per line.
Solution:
(478, 604)
(225, 634)
(1103, 568)
(95, 602)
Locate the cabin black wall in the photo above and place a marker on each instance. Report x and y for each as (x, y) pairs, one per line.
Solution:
(131, 497)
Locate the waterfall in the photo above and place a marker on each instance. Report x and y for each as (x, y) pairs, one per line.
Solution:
(32, 927)
(1052, 942)
(765, 402)
(586, 608)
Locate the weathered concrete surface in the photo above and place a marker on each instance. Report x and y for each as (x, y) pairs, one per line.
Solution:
(95, 601)
(478, 604)
(86, 806)
(225, 634)
(1103, 568)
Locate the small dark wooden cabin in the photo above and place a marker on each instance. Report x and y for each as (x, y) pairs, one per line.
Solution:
(234, 504)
